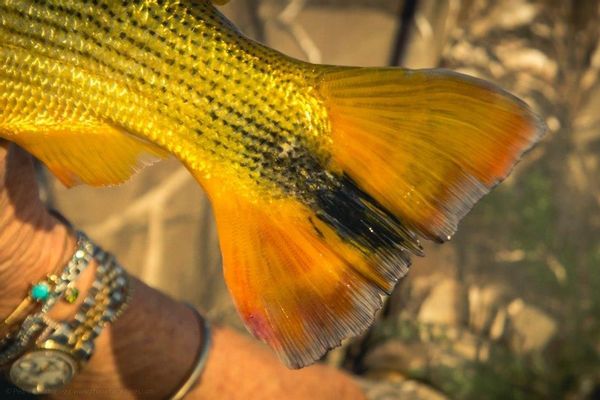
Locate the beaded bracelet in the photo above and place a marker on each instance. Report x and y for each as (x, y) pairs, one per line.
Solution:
(45, 355)
(53, 287)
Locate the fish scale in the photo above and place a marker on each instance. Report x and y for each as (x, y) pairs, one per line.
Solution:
(123, 53)
(322, 178)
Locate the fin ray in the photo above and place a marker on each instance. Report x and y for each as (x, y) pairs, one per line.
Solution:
(95, 153)
(297, 285)
(426, 144)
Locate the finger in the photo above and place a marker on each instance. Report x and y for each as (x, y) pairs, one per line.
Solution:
(17, 177)
(3, 149)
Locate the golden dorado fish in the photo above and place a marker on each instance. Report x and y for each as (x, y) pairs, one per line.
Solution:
(322, 178)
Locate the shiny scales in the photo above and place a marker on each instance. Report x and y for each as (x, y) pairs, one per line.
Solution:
(321, 177)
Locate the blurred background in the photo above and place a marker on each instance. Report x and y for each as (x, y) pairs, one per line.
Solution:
(510, 309)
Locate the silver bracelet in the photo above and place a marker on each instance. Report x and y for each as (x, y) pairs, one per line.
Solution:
(201, 358)
(78, 263)
(14, 345)
(46, 354)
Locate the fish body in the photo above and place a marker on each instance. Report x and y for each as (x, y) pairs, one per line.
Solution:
(182, 78)
(321, 177)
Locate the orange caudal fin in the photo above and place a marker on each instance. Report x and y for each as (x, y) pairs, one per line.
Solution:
(297, 285)
(411, 152)
(426, 144)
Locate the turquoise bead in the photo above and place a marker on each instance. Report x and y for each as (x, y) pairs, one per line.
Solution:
(40, 291)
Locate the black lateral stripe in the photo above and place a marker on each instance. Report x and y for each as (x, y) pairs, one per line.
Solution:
(280, 179)
(83, 54)
(164, 89)
(107, 28)
(274, 169)
(256, 66)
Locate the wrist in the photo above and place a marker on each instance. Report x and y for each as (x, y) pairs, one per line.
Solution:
(146, 353)
(50, 348)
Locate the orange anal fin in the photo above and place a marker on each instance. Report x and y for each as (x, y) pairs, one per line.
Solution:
(95, 153)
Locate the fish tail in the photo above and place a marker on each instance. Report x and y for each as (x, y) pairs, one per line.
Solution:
(425, 144)
(411, 153)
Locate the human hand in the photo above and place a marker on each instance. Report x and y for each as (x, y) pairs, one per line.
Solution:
(32, 242)
(127, 363)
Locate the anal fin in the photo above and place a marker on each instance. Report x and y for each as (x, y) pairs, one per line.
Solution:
(95, 153)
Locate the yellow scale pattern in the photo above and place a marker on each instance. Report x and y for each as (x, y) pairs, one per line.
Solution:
(320, 177)
(153, 76)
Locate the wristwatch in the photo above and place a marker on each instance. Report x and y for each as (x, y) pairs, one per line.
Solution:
(51, 364)
(61, 348)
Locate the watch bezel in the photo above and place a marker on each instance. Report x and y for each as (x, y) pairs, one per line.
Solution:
(47, 352)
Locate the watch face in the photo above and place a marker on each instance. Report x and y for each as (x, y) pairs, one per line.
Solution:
(43, 371)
